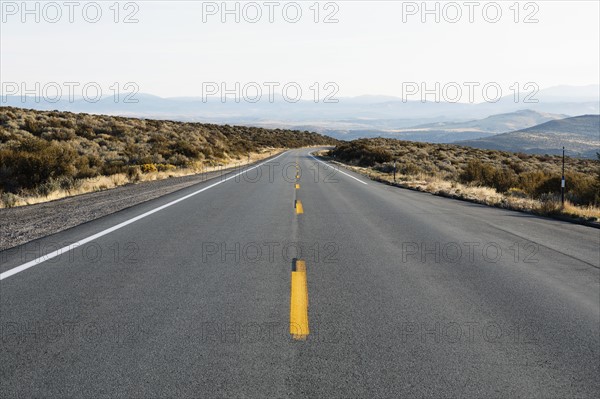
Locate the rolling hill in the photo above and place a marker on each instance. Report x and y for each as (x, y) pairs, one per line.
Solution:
(41, 149)
(580, 135)
(447, 132)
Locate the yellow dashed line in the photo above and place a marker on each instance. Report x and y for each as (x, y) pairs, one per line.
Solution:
(300, 266)
(299, 302)
(299, 288)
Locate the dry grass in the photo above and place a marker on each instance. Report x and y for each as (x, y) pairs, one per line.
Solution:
(87, 186)
(588, 212)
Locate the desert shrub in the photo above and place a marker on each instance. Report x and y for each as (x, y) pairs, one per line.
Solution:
(517, 167)
(85, 131)
(530, 181)
(114, 166)
(581, 189)
(421, 154)
(133, 174)
(483, 174)
(186, 148)
(149, 168)
(471, 172)
(549, 204)
(517, 193)
(410, 168)
(47, 187)
(545, 158)
(362, 154)
(502, 179)
(548, 186)
(88, 166)
(9, 200)
(32, 127)
(68, 183)
(35, 162)
(179, 160)
(447, 167)
(376, 155)
(217, 153)
(59, 134)
(165, 167)
(385, 168)
(477, 172)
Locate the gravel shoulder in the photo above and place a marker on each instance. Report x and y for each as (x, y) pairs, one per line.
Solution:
(20, 225)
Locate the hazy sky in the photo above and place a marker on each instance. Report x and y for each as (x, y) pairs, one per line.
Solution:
(372, 49)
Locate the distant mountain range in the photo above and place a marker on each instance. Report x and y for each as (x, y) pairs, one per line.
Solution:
(497, 123)
(478, 125)
(362, 116)
(579, 135)
(447, 132)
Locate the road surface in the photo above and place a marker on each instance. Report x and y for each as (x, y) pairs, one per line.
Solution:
(390, 293)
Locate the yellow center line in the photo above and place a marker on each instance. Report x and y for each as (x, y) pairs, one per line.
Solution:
(300, 266)
(299, 302)
(299, 208)
(297, 186)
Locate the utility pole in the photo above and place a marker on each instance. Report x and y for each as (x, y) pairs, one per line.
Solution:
(562, 181)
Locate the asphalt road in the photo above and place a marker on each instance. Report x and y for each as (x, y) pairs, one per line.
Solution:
(409, 295)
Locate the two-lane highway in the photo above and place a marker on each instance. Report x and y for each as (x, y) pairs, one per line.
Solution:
(293, 279)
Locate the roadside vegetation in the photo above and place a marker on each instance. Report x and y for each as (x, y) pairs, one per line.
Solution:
(499, 178)
(46, 155)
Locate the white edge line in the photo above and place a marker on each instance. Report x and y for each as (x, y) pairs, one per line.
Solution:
(62, 250)
(338, 169)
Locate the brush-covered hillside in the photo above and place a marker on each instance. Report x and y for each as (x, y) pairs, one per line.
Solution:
(527, 175)
(40, 150)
